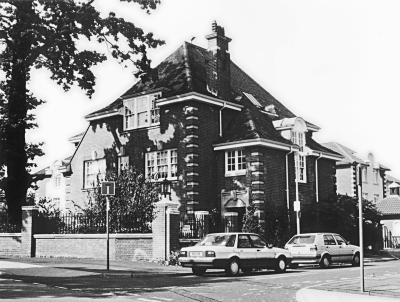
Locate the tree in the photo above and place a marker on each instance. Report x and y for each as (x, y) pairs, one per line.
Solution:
(44, 34)
(340, 215)
(131, 208)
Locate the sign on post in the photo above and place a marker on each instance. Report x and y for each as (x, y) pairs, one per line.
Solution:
(296, 206)
(108, 188)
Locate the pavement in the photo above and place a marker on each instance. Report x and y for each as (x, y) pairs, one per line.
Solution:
(379, 289)
(376, 289)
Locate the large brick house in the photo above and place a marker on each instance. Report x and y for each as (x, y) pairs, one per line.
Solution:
(222, 139)
(373, 174)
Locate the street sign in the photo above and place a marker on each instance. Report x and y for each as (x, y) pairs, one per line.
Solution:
(296, 206)
(108, 188)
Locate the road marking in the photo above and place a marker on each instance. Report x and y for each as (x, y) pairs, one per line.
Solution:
(286, 276)
(9, 264)
(142, 299)
(164, 299)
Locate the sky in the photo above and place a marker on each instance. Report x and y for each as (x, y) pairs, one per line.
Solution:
(334, 63)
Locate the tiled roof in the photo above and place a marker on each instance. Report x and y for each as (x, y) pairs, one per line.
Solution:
(185, 71)
(348, 154)
(389, 205)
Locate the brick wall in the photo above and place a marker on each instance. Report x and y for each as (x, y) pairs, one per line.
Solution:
(94, 246)
(10, 245)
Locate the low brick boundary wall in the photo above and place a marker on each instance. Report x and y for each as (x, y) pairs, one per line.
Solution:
(122, 246)
(10, 244)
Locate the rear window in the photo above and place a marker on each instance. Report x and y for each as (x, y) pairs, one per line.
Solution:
(218, 240)
(308, 239)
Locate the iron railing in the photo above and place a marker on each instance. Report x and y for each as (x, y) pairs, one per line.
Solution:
(194, 228)
(76, 223)
(7, 225)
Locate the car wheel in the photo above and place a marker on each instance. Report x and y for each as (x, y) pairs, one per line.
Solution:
(233, 267)
(247, 270)
(198, 271)
(325, 262)
(356, 260)
(280, 265)
(294, 265)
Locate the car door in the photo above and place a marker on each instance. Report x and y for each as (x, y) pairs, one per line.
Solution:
(332, 247)
(246, 251)
(265, 256)
(346, 252)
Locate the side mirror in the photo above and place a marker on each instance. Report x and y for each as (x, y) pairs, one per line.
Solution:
(270, 245)
(344, 243)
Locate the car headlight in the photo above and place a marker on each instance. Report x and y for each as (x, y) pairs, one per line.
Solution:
(182, 254)
(210, 254)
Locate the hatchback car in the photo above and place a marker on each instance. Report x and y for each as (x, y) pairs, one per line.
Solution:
(233, 252)
(323, 249)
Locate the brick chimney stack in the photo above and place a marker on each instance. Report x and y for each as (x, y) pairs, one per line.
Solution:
(218, 64)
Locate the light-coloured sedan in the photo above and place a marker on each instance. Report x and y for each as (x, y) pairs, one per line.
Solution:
(234, 252)
(323, 249)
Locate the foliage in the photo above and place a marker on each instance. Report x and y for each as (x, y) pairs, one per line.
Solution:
(341, 215)
(134, 197)
(276, 225)
(251, 220)
(173, 259)
(46, 34)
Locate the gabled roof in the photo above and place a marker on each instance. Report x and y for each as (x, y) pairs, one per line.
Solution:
(65, 162)
(392, 179)
(185, 71)
(349, 155)
(389, 205)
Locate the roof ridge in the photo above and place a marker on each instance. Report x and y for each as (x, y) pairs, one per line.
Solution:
(345, 153)
(187, 66)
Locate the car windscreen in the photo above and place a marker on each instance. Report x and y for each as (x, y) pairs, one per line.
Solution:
(216, 239)
(307, 239)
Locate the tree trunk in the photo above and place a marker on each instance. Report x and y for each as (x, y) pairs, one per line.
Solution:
(18, 179)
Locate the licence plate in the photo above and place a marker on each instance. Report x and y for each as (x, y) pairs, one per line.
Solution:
(196, 254)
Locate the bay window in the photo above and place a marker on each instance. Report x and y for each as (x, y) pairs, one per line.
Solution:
(162, 164)
(141, 112)
(95, 171)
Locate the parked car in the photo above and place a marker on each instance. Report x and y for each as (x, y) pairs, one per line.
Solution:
(323, 249)
(233, 252)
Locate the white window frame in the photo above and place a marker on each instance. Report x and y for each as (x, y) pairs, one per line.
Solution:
(162, 164)
(300, 168)
(237, 166)
(123, 163)
(364, 174)
(376, 176)
(150, 110)
(98, 171)
(298, 138)
(57, 181)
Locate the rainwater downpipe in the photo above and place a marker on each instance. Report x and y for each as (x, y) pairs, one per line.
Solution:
(287, 184)
(220, 120)
(316, 177)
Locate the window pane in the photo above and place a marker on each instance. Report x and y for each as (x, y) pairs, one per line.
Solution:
(142, 104)
(257, 241)
(241, 160)
(244, 242)
(174, 162)
(231, 160)
(123, 163)
(142, 119)
(162, 164)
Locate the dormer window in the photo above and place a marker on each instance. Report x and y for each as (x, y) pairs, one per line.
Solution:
(141, 112)
(298, 138)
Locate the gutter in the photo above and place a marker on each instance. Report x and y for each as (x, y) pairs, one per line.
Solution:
(316, 177)
(220, 120)
(287, 185)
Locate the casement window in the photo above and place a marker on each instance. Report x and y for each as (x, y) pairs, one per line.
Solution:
(298, 138)
(95, 170)
(141, 112)
(57, 181)
(162, 164)
(235, 163)
(123, 163)
(375, 176)
(376, 198)
(364, 174)
(300, 166)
